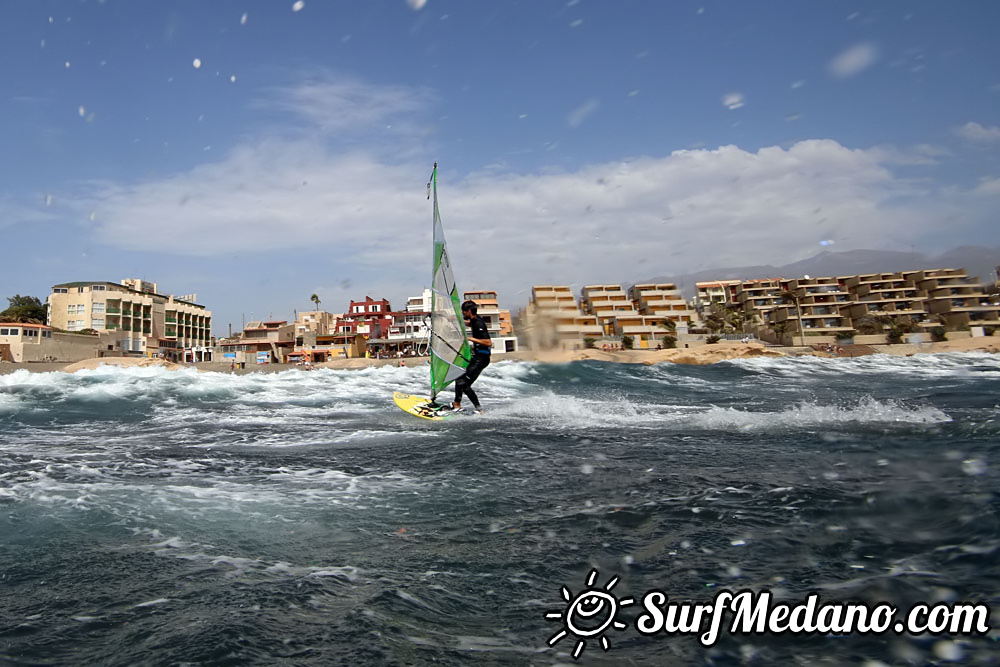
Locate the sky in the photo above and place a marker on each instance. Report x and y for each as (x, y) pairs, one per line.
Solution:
(255, 153)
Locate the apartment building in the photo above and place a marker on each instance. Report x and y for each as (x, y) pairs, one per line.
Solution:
(926, 299)
(664, 300)
(819, 307)
(553, 319)
(886, 294)
(607, 303)
(261, 343)
(954, 298)
(145, 322)
(718, 291)
(639, 313)
(317, 322)
(759, 298)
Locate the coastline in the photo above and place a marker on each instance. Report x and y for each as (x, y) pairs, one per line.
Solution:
(701, 355)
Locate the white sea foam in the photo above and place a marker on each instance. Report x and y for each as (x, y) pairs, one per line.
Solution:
(865, 411)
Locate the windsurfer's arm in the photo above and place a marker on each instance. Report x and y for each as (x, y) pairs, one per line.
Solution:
(485, 342)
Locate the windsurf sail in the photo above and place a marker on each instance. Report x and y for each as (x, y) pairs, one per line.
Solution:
(450, 352)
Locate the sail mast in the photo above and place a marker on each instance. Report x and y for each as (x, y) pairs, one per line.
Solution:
(450, 352)
(435, 218)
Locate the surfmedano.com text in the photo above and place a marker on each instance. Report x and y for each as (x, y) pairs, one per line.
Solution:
(757, 613)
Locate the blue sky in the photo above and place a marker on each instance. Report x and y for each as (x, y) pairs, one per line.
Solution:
(257, 152)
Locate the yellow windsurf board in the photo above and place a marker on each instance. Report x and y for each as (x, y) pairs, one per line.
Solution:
(418, 406)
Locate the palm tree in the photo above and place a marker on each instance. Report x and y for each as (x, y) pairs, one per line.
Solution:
(670, 340)
(315, 299)
(791, 297)
(779, 329)
(715, 321)
(895, 327)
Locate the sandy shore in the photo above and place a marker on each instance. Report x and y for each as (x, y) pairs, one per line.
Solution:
(705, 354)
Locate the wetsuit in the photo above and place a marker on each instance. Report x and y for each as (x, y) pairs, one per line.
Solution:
(480, 360)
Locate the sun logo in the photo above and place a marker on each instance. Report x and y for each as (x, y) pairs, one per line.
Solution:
(589, 614)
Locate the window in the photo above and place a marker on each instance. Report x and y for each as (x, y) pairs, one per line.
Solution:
(46, 334)
(60, 290)
(31, 333)
(99, 288)
(98, 307)
(10, 332)
(97, 323)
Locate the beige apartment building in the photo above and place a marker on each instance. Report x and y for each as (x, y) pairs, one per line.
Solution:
(318, 322)
(835, 305)
(759, 298)
(143, 321)
(956, 299)
(607, 303)
(819, 307)
(260, 343)
(664, 300)
(886, 294)
(553, 319)
(717, 291)
(639, 313)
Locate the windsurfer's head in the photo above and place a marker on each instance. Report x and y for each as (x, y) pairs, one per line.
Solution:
(470, 307)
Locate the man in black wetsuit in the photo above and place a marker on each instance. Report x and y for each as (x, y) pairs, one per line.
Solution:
(479, 336)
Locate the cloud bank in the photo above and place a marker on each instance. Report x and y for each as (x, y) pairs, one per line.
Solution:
(650, 215)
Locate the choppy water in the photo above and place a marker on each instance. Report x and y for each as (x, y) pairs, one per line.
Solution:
(150, 517)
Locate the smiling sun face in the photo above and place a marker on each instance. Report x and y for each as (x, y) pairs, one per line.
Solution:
(589, 614)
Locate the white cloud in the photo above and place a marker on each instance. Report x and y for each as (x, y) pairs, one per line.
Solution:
(854, 60)
(334, 104)
(581, 113)
(733, 100)
(368, 216)
(989, 187)
(978, 133)
(644, 217)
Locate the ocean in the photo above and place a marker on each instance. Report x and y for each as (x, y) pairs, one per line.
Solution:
(154, 517)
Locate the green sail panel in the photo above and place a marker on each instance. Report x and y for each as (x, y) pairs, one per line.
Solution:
(450, 352)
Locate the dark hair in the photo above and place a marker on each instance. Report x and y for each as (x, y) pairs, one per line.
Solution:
(471, 306)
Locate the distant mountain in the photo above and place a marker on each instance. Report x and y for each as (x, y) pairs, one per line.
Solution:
(976, 260)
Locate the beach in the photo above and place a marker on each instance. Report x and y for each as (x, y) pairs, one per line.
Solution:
(700, 355)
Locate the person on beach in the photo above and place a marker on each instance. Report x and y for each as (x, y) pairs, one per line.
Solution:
(479, 336)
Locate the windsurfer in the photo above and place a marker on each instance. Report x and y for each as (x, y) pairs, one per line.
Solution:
(479, 336)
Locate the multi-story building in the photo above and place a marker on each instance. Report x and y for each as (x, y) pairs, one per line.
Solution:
(956, 299)
(886, 294)
(318, 322)
(145, 322)
(261, 343)
(758, 298)
(553, 319)
(827, 307)
(663, 300)
(718, 291)
(607, 303)
(815, 308)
